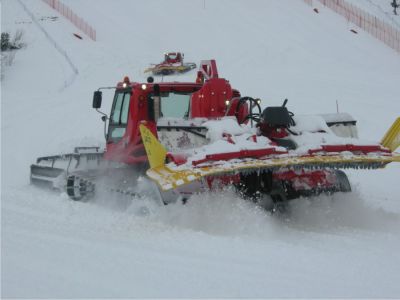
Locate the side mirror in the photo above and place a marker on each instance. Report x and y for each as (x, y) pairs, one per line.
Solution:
(97, 97)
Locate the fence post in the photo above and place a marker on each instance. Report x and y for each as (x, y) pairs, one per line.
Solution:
(72, 17)
(371, 24)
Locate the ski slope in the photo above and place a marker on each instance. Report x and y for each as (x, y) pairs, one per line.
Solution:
(381, 9)
(344, 245)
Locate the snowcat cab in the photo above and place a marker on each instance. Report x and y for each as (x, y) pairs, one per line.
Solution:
(173, 58)
(173, 111)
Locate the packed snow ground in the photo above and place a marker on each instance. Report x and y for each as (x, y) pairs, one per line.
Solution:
(217, 245)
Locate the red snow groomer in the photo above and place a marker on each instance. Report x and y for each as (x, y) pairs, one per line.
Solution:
(188, 137)
(173, 63)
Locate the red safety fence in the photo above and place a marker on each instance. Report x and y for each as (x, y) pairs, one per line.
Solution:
(73, 17)
(371, 24)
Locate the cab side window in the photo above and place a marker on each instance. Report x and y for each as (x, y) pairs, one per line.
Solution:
(119, 116)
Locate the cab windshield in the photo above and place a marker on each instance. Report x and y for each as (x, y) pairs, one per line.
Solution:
(174, 105)
(171, 56)
(119, 116)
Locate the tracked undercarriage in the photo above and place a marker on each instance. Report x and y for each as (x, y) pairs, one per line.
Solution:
(79, 172)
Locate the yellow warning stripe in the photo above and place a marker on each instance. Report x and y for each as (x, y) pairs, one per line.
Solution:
(176, 68)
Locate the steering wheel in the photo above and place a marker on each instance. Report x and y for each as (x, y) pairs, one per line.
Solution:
(251, 116)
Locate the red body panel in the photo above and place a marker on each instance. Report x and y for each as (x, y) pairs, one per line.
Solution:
(305, 180)
(210, 101)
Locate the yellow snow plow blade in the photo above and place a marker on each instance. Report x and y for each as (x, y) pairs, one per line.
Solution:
(155, 151)
(171, 178)
(169, 68)
(391, 139)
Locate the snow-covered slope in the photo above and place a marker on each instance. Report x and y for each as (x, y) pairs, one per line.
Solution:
(216, 245)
